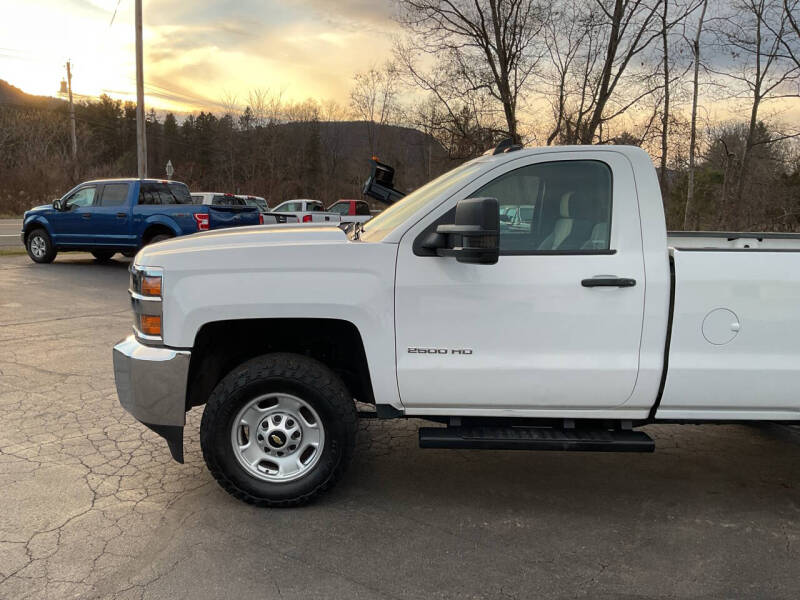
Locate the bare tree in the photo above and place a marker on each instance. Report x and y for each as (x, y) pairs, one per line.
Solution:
(484, 47)
(374, 99)
(599, 50)
(693, 126)
(662, 175)
(790, 41)
(571, 40)
(754, 34)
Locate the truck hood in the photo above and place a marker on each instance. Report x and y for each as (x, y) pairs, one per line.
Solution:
(237, 241)
(43, 209)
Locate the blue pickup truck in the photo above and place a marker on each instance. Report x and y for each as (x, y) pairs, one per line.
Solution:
(122, 215)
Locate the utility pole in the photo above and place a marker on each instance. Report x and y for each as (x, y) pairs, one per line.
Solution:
(72, 115)
(141, 137)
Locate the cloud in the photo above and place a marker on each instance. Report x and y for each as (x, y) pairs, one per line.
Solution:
(308, 48)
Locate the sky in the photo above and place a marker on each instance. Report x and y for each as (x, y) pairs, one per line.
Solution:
(198, 53)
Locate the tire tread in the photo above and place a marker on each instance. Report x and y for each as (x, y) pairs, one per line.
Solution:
(305, 370)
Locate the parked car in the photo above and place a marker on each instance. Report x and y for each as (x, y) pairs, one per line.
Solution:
(121, 215)
(307, 211)
(568, 334)
(351, 211)
(223, 199)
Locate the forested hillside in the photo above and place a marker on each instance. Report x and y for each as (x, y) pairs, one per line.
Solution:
(287, 152)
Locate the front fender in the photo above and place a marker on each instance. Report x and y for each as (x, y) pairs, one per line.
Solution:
(38, 220)
(226, 280)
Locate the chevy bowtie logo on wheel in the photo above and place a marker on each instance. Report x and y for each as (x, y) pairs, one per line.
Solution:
(276, 439)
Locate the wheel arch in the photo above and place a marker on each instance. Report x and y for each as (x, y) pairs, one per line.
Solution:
(157, 226)
(220, 346)
(37, 223)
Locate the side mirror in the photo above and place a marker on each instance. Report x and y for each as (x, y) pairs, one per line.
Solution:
(57, 204)
(474, 237)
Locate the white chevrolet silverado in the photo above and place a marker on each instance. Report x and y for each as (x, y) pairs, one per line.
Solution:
(567, 330)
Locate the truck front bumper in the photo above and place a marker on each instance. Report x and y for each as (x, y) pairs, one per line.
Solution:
(151, 385)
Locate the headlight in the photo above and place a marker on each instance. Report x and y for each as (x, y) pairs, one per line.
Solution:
(145, 292)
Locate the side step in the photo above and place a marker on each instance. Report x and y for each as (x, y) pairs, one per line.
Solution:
(536, 438)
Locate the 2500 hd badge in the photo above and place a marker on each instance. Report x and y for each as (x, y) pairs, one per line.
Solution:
(461, 351)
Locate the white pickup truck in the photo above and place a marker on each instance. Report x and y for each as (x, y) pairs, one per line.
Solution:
(308, 211)
(565, 332)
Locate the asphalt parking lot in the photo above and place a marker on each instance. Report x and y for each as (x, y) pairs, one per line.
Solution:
(91, 505)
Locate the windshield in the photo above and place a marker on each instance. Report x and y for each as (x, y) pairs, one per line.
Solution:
(380, 226)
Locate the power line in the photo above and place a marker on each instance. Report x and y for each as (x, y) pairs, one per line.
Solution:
(115, 14)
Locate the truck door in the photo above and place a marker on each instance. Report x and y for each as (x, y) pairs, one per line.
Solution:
(73, 225)
(111, 216)
(533, 332)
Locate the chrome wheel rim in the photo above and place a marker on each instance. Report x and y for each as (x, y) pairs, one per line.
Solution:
(38, 246)
(277, 437)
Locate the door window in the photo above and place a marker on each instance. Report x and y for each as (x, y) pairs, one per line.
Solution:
(114, 194)
(553, 207)
(362, 208)
(82, 198)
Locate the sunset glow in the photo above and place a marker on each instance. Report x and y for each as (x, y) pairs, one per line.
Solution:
(195, 54)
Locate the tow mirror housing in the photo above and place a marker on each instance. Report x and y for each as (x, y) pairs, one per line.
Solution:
(57, 204)
(473, 238)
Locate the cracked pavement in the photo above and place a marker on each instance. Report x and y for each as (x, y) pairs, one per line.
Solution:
(92, 506)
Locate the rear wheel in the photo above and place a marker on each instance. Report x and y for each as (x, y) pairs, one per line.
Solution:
(278, 430)
(40, 246)
(159, 237)
(102, 255)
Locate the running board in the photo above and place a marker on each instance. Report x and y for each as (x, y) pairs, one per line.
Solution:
(536, 438)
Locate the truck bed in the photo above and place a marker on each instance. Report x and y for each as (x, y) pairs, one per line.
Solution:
(732, 240)
(735, 324)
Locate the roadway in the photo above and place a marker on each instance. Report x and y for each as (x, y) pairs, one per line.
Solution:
(9, 233)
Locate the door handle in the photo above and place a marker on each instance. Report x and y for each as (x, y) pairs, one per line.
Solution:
(608, 282)
(122, 215)
(86, 216)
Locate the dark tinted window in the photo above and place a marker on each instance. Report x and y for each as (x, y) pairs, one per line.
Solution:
(362, 208)
(157, 193)
(562, 206)
(316, 207)
(220, 200)
(114, 194)
(181, 192)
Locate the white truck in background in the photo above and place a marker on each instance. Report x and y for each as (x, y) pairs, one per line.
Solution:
(308, 211)
(569, 333)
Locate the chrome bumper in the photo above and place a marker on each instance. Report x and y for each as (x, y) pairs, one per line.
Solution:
(151, 385)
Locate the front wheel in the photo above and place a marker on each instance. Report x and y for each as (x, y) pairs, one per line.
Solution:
(278, 430)
(40, 246)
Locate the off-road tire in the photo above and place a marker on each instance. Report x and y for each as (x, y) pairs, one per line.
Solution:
(49, 253)
(102, 256)
(294, 374)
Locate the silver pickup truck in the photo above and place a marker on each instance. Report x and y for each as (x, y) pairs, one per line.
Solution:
(308, 211)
